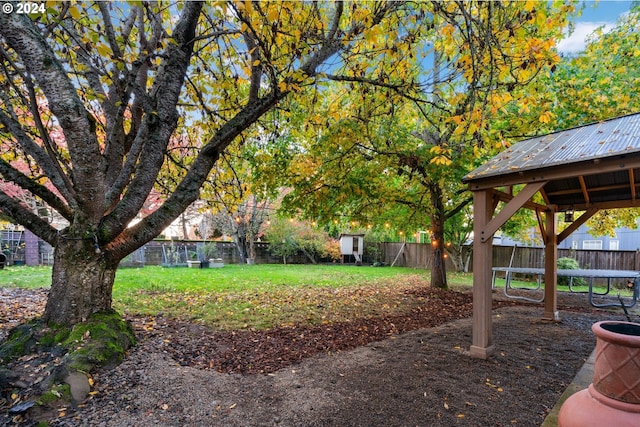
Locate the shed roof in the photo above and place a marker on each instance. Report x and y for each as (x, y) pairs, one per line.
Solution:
(596, 164)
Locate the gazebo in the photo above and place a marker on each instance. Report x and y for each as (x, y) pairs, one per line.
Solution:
(585, 169)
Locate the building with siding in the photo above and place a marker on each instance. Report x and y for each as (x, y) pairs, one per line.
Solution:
(625, 239)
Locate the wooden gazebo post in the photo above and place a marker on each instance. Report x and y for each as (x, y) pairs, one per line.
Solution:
(482, 344)
(550, 262)
(484, 227)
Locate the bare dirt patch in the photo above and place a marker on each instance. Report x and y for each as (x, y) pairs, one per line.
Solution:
(403, 370)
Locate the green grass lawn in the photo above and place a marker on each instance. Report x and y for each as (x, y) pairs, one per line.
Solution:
(232, 277)
(264, 295)
(25, 277)
(257, 296)
(235, 277)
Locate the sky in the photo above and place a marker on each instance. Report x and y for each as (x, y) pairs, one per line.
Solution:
(594, 15)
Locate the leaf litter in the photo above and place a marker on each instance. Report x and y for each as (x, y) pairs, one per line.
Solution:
(433, 365)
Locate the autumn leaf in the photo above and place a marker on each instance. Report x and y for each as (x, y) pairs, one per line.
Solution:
(74, 12)
(103, 49)
(546, 117)
(498, 388)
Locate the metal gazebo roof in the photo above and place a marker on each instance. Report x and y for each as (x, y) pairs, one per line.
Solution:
(584, 166)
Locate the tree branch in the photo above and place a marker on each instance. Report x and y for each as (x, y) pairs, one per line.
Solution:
(158, 125)
(11, 174)
(39, 155)
(21, 34)
(452, 212)
(23, 216)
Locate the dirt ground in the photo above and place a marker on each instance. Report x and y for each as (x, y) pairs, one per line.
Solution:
(410, 370)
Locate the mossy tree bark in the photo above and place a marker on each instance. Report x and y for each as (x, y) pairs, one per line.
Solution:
(82, 282)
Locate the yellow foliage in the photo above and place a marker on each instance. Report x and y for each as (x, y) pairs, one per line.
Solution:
(273, 13)
(103, 49)
(546, 117)
(447, 30)
(458, 119)
(441, 160)
(75, 12)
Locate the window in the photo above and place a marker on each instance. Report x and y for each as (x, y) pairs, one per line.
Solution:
(592, 244)
(574, 244)
(614, 245)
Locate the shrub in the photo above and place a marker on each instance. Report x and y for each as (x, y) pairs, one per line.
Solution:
(210, 250)
(569, 264)
(287, 237)
(332, 249)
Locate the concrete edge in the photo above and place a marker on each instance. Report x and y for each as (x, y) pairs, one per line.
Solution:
(583, 378)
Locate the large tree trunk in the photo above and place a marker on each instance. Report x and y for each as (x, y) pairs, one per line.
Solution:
(241, 246)
(438, 268)
(82, 282)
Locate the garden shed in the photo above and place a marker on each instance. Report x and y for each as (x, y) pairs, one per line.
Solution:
(352, 247)
(584, 169)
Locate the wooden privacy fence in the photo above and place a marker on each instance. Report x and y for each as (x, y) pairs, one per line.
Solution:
(416, 255)
(419, 255)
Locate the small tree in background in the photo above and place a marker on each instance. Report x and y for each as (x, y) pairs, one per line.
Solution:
(332, 249)
(287, 237)
(243, 224)
(280, 234)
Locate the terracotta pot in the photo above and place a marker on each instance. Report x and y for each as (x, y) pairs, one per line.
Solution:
(613, 399)
(616, 373)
